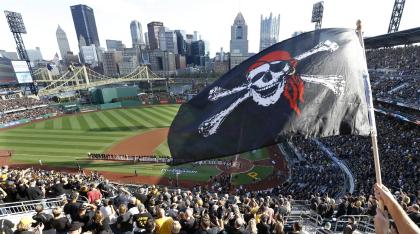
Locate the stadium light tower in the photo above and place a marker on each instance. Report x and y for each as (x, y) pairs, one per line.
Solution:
(397, 12)
(17, 27)
(317, 13)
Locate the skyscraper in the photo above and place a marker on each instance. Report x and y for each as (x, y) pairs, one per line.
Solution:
(269, 31)
(153, 31)
(239, 36)
(85, 25)
(146, 39)
(198, 52)
(136, 33)
(63, 42)
(114, 45)
(168, 40)
(180, 40)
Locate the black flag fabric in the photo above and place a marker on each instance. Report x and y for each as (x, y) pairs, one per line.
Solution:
(310, 85)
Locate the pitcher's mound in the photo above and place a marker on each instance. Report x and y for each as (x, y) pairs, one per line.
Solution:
(143, 144)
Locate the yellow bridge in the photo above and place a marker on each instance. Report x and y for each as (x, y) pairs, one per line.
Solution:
(84, 78)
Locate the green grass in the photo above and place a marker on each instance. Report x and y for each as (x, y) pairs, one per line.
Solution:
(259, 154)
(66, 141)
(245, 178)
(163, 149)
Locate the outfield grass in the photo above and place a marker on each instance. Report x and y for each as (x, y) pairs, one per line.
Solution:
(66, 141)
(258, 172)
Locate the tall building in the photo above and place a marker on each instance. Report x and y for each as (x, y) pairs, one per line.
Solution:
(110, 61)
(136, 33)
(146, 39)
(168, 40)
(63, 42)
(197, 53)
(221, 62)
(9, 55)
(180, 40)
(35, 55)
(89, 55)
(153, 29)
(239, 36)
(114, 45)
(180, 61)
(196, 36)
(85, 25)
(269, 31)
(162, 61)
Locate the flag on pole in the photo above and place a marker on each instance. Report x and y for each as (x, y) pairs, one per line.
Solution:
(310, 85)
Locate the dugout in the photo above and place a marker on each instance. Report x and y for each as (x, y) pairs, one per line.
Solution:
(115, 97)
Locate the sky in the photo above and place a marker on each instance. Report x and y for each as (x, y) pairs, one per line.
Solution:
(211, 18)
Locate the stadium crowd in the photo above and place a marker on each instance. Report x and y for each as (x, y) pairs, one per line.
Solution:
(396, 87)
(23, 108)
(395, 73)
(26, 114)
(316, 173)
(404, 59)
(18, 103)
(398, 144)
(94, 205)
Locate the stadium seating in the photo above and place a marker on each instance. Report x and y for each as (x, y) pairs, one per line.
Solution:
(19, 107)
(101, 205)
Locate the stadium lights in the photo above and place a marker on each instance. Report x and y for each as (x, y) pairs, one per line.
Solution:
(317, 13)
(15, 22)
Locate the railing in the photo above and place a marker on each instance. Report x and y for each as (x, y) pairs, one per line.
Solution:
(314, 218)
(301, 206)
(25, 207)
(360, 220)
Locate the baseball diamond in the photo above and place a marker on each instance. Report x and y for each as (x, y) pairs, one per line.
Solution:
(65, 142)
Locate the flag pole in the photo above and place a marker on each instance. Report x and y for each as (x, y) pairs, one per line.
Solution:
(371, 113)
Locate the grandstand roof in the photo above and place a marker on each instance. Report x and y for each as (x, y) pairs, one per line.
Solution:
(404, 37)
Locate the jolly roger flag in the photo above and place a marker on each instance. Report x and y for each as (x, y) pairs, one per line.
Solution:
(311, 85)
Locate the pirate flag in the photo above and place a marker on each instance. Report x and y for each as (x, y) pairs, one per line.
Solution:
(311, 85)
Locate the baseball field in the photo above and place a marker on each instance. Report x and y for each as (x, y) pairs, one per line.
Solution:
(65, 141)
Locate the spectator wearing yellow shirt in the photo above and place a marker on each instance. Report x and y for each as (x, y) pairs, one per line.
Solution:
(163, 223)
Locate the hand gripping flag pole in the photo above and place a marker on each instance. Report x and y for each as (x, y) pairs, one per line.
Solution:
(371, 113)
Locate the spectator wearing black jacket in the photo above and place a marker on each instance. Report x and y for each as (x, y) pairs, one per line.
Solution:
(34, 192)
(124, 221)
(59, 222)
(6, 226)
(45, 219)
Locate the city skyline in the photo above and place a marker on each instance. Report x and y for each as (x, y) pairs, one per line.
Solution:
(41, 19)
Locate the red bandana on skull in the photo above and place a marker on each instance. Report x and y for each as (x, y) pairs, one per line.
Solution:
(294, 88)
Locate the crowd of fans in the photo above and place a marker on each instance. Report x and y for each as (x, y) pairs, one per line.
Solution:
(91, 204)
(398, 147)
(396, 87)
(403, 59)
(23, 108)
(315, 173)
(405, 111)
(9, 90)
(26, 114)
(18, 103)
(395, 73)
(107, 209)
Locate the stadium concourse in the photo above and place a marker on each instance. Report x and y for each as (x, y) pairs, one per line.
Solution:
(330, 184)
